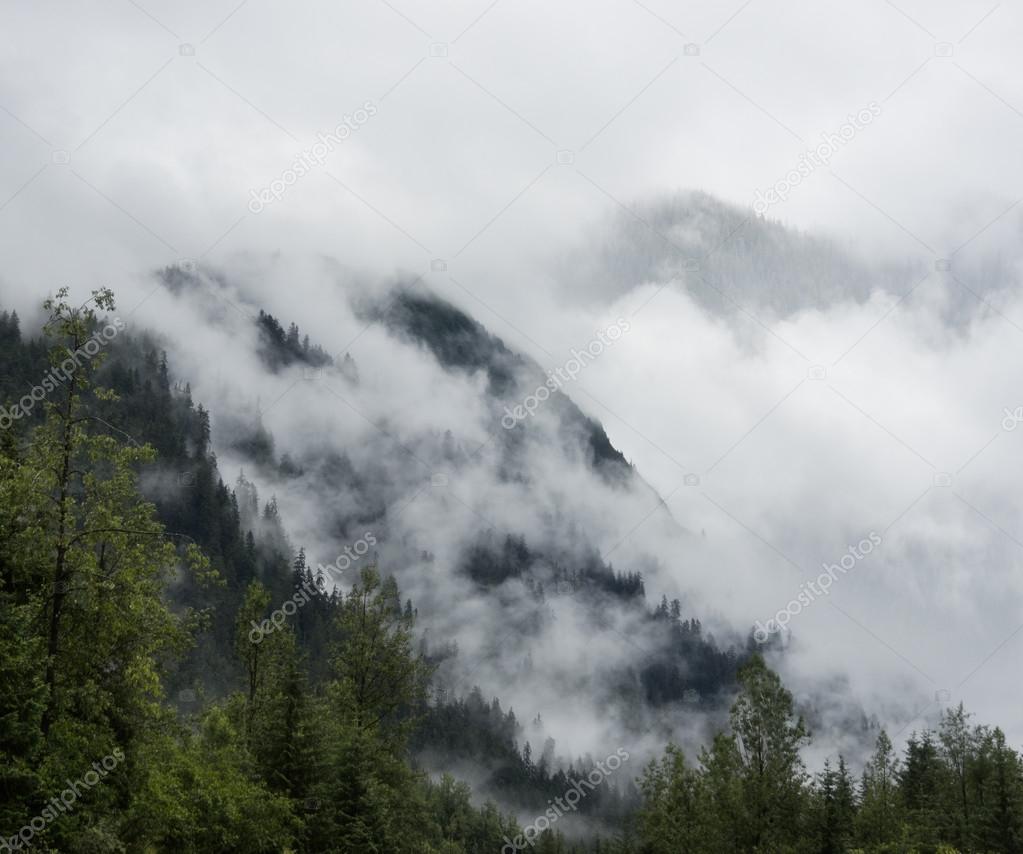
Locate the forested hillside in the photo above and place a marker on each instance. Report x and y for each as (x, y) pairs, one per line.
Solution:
(163, 696)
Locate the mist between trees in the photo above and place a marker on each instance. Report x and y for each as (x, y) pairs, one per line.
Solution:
(316, 738)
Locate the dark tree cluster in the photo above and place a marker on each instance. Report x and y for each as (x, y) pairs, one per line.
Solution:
(455, 339)
(491, 562)
(282, 349)
(689, 666)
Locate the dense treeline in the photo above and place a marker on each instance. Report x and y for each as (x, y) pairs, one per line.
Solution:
(959, 788)
(685, 665)
(472, 730)
(490, 563)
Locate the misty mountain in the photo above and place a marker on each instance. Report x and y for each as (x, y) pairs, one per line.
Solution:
(322, 453)
(525, 576)
(729, 259)
(475, 427)
(523, 572)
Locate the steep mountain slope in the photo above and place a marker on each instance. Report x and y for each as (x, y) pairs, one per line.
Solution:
(460, 343)
(494, 585)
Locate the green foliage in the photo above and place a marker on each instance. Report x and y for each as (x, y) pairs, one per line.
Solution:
(880, 815)
(199, 792)
(768, 738)
(959, 789)
(677, 805)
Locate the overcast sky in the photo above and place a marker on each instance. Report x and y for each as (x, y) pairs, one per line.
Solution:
(173, 112)
(497, 138)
